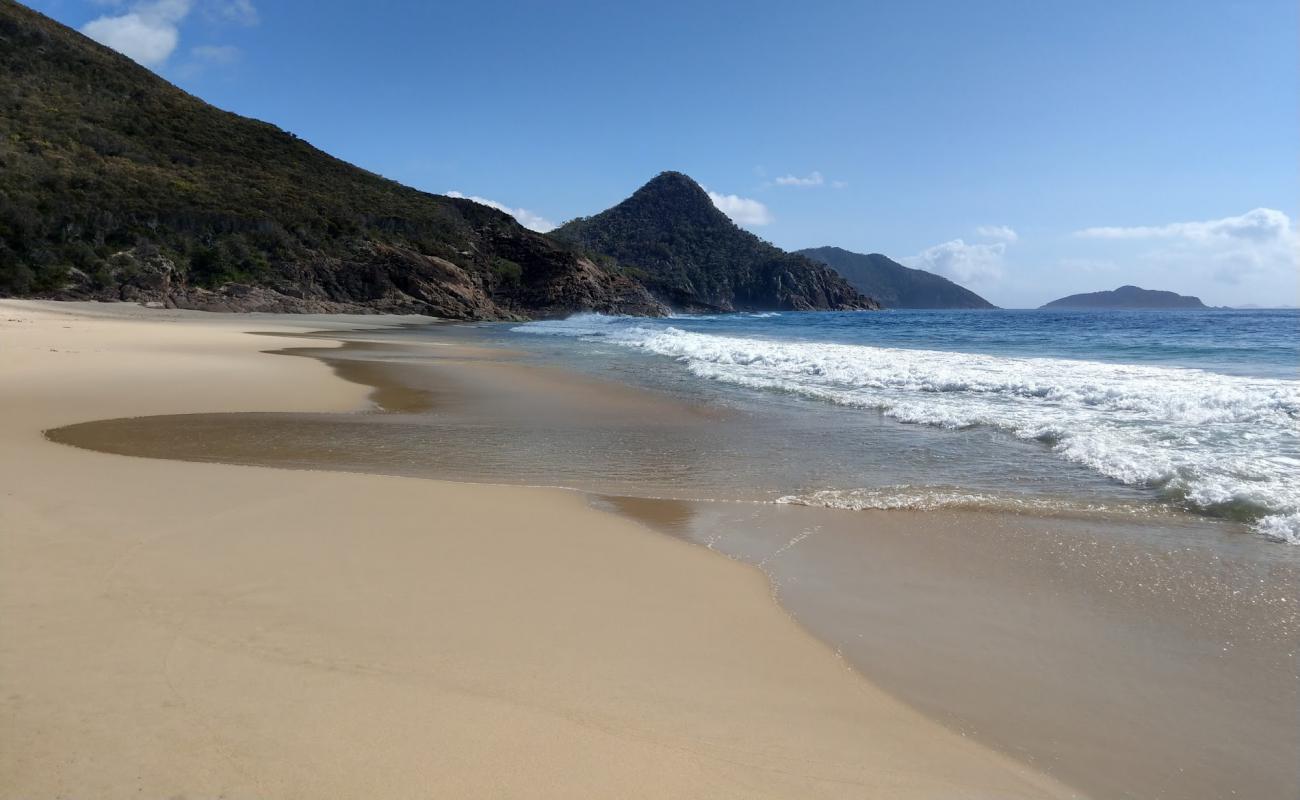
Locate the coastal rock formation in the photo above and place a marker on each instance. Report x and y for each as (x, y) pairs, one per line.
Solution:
(116, 185)
(893, 284)
(694, 258)
(1127, 297)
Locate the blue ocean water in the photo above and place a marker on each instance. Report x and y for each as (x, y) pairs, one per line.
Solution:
(1200, 407)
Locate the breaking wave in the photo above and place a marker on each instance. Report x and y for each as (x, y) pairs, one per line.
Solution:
(1223, 445)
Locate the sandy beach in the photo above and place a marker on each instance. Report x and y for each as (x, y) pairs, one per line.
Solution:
(191, 629)
(1105, 648)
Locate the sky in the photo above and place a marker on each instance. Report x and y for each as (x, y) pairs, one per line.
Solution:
(1027, 149)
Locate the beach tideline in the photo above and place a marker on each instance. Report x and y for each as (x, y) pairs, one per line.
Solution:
(193, 629)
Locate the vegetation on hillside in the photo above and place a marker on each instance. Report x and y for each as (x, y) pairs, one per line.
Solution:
(893, 284)
(111, 178)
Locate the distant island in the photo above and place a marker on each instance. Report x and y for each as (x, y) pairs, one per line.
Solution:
(893, 284)
(1131, 297)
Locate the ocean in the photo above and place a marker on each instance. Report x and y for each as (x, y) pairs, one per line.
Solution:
(1176, 410)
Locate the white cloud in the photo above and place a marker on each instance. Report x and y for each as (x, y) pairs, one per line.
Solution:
(839, 184)
(742, 210)
(525, 217)
(1003, 233)
(811, 179)
(148, 31)
(962, 262)
(1259, 242)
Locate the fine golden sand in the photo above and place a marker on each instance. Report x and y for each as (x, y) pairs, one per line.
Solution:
(205, 630)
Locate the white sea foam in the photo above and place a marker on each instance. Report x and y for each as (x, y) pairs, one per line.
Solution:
(1221, 443)
(914, 498)
(740, 315)
(950, 498)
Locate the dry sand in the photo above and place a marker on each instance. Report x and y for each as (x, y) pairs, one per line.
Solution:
(206, 630)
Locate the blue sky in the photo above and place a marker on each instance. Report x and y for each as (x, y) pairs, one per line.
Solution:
(1027, 149)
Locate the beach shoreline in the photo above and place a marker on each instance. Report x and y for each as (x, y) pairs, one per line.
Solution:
(203, 629)
(1105, 648)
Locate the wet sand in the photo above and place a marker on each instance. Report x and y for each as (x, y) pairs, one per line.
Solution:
(1148, 658)
(201, 629)
(1126, 670)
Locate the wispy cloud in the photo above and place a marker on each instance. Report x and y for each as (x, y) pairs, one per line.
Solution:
(961, 261)
(216, 53)
(813, 178)
(527, 218)
(742, 210)
(148, 31)
(240, 12)
(1261, 241)
(1002, 233)
(1259, 225)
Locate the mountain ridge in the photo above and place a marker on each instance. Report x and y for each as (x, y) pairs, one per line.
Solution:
(893, 284)
(690, 255)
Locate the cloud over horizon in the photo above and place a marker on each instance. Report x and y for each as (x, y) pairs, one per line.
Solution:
(1260, 241)
(529, 219)
(968, 262)
(963, 262)
(741, 210)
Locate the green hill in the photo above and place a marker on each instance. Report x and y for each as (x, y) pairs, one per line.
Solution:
(893, 284)
(114, 184)
(690, 255)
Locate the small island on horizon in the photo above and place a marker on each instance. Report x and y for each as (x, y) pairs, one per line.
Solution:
(1127, 297)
